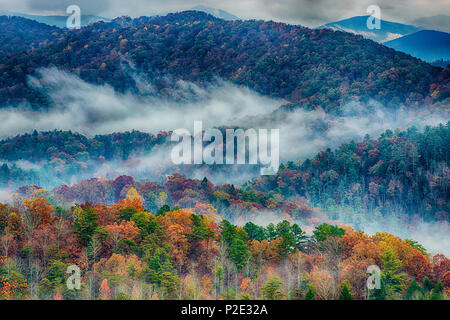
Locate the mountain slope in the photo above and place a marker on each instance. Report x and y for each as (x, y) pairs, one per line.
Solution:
(358, 25)
(312, 68)
(19, 34)
(428, 45)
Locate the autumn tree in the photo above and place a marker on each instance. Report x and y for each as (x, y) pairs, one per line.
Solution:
(40, 210)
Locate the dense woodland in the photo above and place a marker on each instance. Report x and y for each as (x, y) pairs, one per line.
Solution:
(402, 172)
(309, 68)
(145, 240)
(127, 252)
(20, 34)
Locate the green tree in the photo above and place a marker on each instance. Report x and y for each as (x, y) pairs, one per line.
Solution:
(85, 224)
(414, 291)
(227, 231)
(310, 292)
(255, 232)
(239, 253)
(199, 229)
(161, 272)
(436, 294)
(272, 289)
(127, 213)
(325, 231)
(391, 274)
(345, 293)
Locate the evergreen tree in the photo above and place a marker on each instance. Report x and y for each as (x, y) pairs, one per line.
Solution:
(345, 291)
(391, 275)
(310, 293)
(272, 289)
(414, 291)
(85, 224)
(436, 294)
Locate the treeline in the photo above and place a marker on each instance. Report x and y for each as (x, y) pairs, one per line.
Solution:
(52, 158)
(126, 252)
(401, 172)
(24, 35)
(310, 68)
(70, 146)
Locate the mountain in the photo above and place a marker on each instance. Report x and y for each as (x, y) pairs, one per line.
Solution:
(57, 21)
(218, 13)
(358, 25)
(439, 22)
(20, 34)
(428, 45)
(310, 68)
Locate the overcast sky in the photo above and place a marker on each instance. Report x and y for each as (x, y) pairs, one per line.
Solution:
(306, 12)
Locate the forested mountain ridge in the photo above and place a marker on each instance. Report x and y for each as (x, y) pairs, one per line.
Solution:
(146, 240)
(404, 172)
(311, 68)
(46, 146)
(20, 34)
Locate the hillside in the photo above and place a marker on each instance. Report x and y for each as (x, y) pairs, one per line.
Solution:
(193, 254)
(428, 45)
(20, 34)
(189, 233)
(312, 68)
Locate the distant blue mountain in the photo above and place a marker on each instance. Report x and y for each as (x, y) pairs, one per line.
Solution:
(358, 25)
(218, 13)
(428, 45)
(57, 21)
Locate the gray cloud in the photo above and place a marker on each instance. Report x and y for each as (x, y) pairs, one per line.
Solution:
(96, 109)
(305, 12)
(87, 7)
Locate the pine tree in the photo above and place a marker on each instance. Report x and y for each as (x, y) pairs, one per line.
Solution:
(393, 279)
(436, 294)
(414, 291)
(85, 225)
(272, 289)
(310, 293)
(345, 291)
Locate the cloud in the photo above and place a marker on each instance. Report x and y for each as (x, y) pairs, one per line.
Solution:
(304, 133)
(98, 109)
(305, 12)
